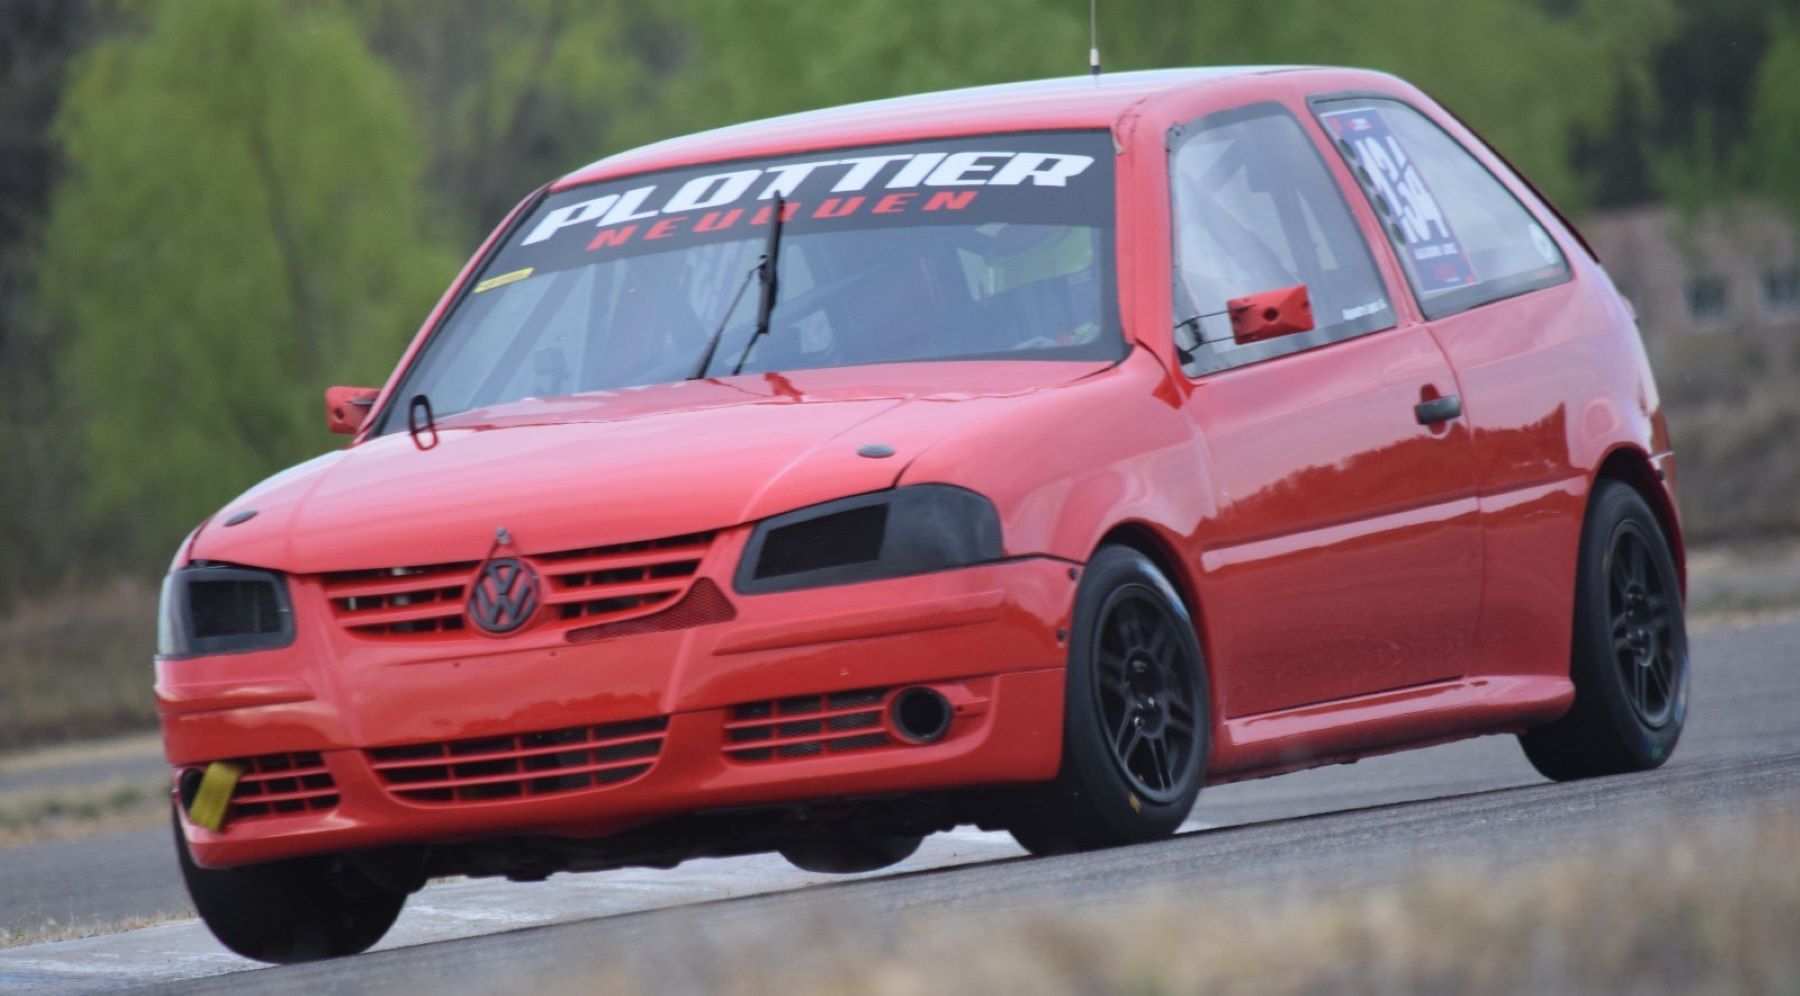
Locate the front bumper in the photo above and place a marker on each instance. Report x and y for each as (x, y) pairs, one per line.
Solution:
(354, 744)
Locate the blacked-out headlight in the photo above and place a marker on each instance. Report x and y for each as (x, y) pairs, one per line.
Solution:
(215, 609)
(888, 534)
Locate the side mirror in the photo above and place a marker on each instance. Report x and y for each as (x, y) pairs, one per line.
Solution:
(1270, 313)
(346, 408)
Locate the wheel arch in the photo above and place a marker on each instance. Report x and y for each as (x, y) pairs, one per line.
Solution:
(1632, 467)
(1163, 553)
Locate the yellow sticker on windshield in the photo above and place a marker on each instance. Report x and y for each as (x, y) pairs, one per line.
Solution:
(502, 280)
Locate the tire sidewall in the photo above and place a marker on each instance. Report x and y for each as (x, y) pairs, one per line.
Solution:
(1087, 756)
(1598, 672)
(286, 911)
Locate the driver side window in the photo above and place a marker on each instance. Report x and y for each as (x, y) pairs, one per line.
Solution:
(1254, 209)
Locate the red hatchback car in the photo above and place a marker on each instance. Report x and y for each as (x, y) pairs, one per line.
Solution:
(1025, 456)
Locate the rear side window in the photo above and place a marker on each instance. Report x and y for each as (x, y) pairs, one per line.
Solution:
(1462, 237)
(1256, 210)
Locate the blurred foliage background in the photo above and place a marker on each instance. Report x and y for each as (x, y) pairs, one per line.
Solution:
(211, 209)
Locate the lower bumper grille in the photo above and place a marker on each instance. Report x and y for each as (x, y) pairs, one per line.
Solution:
(809, 726)
(280, 784)
(523, 765)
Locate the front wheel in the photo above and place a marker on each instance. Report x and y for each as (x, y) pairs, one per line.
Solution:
(846, 854)
(1135, 717)
(1629, 658)
(290, 911)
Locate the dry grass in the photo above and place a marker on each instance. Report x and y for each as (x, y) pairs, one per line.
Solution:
(131, 749)
(77, 665)
(47, 930)
(34, 817)
(1672, 911)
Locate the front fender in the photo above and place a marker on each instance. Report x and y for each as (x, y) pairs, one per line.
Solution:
(1066, 466)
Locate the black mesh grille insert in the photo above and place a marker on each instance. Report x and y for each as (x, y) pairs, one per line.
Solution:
(236, 607)
(808, 726)
(837, 540)
(520, 765)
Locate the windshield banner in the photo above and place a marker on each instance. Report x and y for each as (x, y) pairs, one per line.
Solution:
(1055, 178)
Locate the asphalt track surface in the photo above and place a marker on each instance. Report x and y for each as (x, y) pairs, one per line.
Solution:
(1323, 830)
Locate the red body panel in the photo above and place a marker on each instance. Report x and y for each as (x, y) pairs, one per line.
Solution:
(1362, 491)
(1360, 581)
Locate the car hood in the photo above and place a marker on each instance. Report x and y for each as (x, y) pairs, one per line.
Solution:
(612, 467)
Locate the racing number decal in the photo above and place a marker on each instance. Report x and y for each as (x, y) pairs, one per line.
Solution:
(1407, 206)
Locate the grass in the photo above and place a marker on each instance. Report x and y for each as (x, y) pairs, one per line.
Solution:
(77, 665)
(46, 930)
(1666, 910)
(34, 817)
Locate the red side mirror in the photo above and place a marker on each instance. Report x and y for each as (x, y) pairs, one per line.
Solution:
(346, 408)
(1270, 313)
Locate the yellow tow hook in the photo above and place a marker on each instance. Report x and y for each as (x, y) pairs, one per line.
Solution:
(214, 795)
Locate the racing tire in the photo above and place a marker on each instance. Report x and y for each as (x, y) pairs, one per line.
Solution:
(284, 912)
(1136, 722)
(1629, 654)
(847, 855)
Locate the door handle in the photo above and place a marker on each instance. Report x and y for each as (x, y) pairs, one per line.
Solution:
(1438, 410)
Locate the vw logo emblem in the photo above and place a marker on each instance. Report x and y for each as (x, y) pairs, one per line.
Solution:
(505, 595)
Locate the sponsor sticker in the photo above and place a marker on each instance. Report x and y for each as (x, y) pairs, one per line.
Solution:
(1406, 203)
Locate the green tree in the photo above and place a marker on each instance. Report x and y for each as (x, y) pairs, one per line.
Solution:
(1775, 119)
(38, 38)
(514, 94)
(751, 60)
(241, 224)
(1525, 75)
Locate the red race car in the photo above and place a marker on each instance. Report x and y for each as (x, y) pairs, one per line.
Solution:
(1025, 456)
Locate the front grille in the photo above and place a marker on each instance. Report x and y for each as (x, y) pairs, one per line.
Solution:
(280, 784)
(401, 601)
(703, 605)
(809, 726)
(583, 587)
(522, 765)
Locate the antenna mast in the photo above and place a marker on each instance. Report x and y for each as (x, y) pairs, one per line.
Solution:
(1093, 37)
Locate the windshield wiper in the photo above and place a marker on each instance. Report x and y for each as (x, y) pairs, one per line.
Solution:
(771, 258)
(712, 344)
(765, 270)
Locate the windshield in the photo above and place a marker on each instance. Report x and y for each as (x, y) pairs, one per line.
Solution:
(991, 247)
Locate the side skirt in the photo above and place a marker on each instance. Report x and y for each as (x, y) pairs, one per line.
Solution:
(1274, 743)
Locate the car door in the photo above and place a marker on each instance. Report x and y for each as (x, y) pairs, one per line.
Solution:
(1496, 291)
(1345, 555)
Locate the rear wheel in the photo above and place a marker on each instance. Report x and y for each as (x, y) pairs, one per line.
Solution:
(1629, 657)
(290, 911)
(1135, 719)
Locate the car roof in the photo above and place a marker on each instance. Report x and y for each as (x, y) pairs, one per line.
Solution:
(1067, 102)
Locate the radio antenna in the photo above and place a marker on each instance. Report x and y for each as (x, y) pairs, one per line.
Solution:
(1094, 37)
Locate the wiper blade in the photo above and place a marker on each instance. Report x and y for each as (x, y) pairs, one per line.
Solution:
(712, 344)
(770, 260)
(765, 271)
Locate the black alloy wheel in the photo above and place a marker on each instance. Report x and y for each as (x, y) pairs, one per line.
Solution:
(1629, 652)
(1642, 626)
(1144, 690)
(1136, 725)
